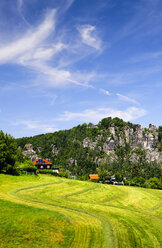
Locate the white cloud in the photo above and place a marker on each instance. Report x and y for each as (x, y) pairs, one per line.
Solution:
(105, 92)
(88, 115)
(32, 40)
(89, 36)
(95, 115)
(68, 4)
(37, 126)
(54, 77)
(127, 99)
(34, 51)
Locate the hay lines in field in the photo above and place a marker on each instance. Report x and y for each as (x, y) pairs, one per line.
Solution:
(100, 215)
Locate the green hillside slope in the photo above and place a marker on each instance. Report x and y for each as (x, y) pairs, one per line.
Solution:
(46, 211)
(113, 146)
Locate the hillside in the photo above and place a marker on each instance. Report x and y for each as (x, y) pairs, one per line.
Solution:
(113, 145)
(46, 211)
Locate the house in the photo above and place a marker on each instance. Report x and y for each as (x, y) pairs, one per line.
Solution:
(42, 164)
(93, 176)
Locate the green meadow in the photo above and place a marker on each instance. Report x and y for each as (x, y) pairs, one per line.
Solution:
(46, 211)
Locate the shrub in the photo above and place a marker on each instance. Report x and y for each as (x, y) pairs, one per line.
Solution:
(154, 183)
(27, 166)
(138, 181)
(49, 172)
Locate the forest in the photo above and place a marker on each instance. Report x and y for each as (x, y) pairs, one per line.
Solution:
(76, 160)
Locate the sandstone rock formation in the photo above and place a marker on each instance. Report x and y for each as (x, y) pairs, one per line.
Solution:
(54, 149)
(28, 150)
(72, 161)
(139, 137)
(87, 142)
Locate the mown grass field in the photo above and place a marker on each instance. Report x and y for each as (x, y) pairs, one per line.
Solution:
(46, 211)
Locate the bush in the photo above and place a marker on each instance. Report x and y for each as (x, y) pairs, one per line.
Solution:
(154, 183)
(27, 166)
(11, 170)
(138, 181)
(64, 173)
(84, 178)
(49, 172)
(95, 180)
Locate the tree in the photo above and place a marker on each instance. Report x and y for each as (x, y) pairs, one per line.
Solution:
(8, 153)
(105, 123)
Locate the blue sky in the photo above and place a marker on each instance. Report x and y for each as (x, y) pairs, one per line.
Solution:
(66, 62)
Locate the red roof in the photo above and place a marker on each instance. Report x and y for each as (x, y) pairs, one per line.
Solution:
(46, 162)
(94, 176)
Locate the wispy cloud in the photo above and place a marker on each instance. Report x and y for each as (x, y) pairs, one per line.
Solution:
(105, 92)
(95, 115)
(89, 36)
(19, 3)
(36, 51)
(68, 4)
(127, 99)
(88, 115)
(37, 126)
(19, 50)
(146, 56)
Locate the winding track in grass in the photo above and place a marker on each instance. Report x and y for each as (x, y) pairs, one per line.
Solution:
(80, 238)
(102, 215)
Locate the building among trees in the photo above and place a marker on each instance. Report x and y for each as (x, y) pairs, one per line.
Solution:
(93, 176)
(42, 163)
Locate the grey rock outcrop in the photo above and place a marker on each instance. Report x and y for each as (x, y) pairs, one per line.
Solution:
(29, 150)
(100, 160)
(134, 158)
(146, 139)
(39, 149)
(112, 130)
(87, 142)
(72, 161)
(54, 149)
(109, 146)
(128, 134)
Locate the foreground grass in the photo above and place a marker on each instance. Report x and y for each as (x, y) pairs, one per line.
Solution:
(47, 211)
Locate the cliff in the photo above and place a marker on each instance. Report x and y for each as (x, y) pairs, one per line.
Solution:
(146, 139)
(112, 142)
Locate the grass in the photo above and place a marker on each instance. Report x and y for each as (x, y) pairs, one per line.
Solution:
(46, 211)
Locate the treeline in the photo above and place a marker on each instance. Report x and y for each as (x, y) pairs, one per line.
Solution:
(142, 174)
(11, 158)
(80, 161)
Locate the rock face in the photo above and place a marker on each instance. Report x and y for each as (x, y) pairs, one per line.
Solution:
(54, 149)
(39, 149)
(29, 152)
(146, 139)
(109, 146)
(87, 142)
(100, 160)
(106, 145)
(72, 161)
